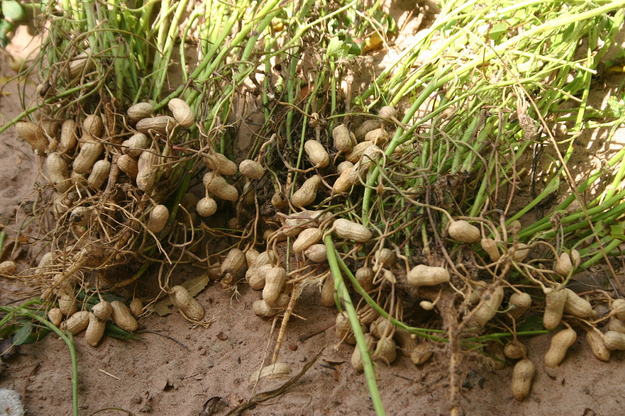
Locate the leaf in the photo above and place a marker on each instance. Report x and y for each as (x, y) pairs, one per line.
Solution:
(617, 231)
(530, 324)
(21, 336)
(7, 330)
(5, 27)
(13, 10)
(36, 336)
(498, 31)
(194, 286)
(114, 331)
(337, 49)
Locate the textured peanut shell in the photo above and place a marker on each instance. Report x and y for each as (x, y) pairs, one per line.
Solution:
(522, 376)
(560, 344)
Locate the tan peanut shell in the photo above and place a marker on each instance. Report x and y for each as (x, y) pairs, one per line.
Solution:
(342, 138)
(68, 136)
(80, 63)
(28, 132)
(99, 174)
(317, 154)
(421, 353)
(67, 304)
(356, 359)
(522, 376)
(307, 193)
(217, 185)
(55, 316)
(220, 163)
(327, 292)
(317, 253)
(128, 165)
(162, 125)
(343, 166)
(262, 309)
(187, 304)
(251, 169)
(594, 337)
(423, 275)
(497, 359)
(464, 231)
(515, 350)
(158, 218)
(306, 238)
(102, 310)
(206, 206)
(379, 137)
(388, 113)
(234, 265)
(92, 125)
(563, 265)
(490, 247)
(274, 282)
(361, 130)
(385, 257)
(381, 327)
(56, 168)
(140, 111)
(251, 255)
(304, 219)
(488, 306)
(521, 303)
(405, 342)
(554, 307)
(271, 371)
(616, 325)
(367, 315)
(123, 317)
(256, 276)
(618, 309)
(364, 276)
(136, 307)
(577, 306)
(76, 323)
(137, 143)
(560, 344)
(90, 151)
(575, 258)
(385, 350)
(427, 305)
(614, 340)
(95, 330)
(147, 170)
(182, 112)
(348, 178)
(352, 231)
(519, 252)
(343, 328)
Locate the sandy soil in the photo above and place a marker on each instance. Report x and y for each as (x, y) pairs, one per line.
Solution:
(175, 369)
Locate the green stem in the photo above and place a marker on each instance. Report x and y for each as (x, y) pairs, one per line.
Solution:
(361, 344)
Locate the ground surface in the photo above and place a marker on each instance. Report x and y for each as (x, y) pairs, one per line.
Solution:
(175, 369)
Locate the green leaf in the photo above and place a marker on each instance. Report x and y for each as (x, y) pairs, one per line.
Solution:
(617, 231)
(337, 49)
(36, 336)
(531, 323)
(615, 108)
(498, 31)
(5, 27)
(114, 331)
(13, 10)
(21, 336)
(7, 330)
